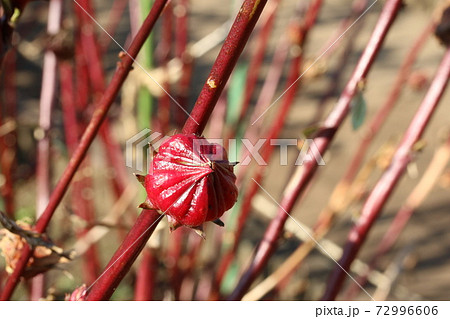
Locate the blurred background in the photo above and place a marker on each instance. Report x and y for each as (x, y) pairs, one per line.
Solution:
(416, 268)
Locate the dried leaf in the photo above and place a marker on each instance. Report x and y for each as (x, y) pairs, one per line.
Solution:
(46, 255)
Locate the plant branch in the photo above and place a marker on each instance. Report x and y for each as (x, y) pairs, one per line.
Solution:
(342, 194)
(292, 85)
(123, 68)
(224, 64)
(146, 276)
(383, 189)
(82, 206)
(47, 100)
(415, 199)
(303, 175)
(138, 235)
(256, 62)
(379, 119)
(126, 254)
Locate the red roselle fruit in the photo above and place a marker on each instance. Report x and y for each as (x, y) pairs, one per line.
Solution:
(191, 181)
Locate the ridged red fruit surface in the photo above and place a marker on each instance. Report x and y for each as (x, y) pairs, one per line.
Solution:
(191, 181)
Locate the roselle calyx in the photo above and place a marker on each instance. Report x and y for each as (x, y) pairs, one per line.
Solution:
(191, 181)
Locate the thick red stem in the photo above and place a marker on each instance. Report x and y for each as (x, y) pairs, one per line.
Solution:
(383, 189)
(123, 68)
(8, 141)
(292, 86)
(267, 93)
(174, 254)
(146, 276)
(181, 41)
(126, 254)
(91, 50)
(256, 62)
(225, 62)
(300, 181)
(83, 207)
(379, 119)
(124, 257)
(395, 229)
(164, 55)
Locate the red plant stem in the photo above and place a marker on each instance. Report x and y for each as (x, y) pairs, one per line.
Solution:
(8, 141)
(181, 41)
(89, 74)
(146, 272)
(225, 62)
(325, 219)
(7, 163)
(267, 93)
(123, 68)
(47, 99)
(396, 227)
(301, 178)
(81, 79)
(335, 79)
(48, 91)
(379, 119)
(92, 53)
(431, 175)
(383, 189)
(71, 129)
(270, 85)
(256, 62)
(114, 18)
(164, 54)
(146, 276)
(218, 127)
(189, 261)
(124, 257)
(218, 117)
(94, 75)
(180, 12)
(115, 158)
(82, 206)
(292, 85)
(126, 254)
(181, 30)
(173, 257)
(162, 124)
(358, 8)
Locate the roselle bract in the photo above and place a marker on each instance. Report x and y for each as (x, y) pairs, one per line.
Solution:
(191, 181)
